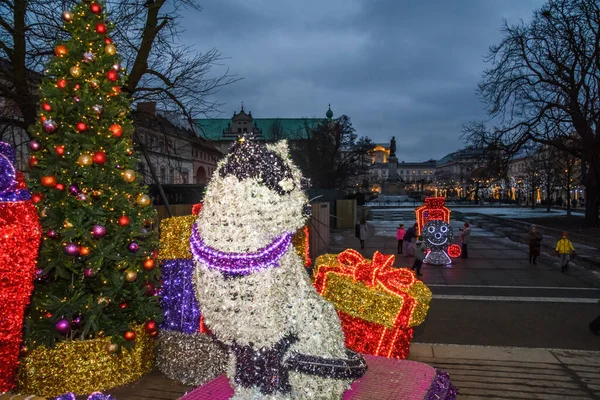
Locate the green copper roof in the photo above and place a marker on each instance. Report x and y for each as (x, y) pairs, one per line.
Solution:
(291, 128)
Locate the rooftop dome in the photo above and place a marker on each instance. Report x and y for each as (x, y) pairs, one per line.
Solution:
(329, 113)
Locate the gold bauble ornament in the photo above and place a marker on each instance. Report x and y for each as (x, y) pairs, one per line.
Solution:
(94, 83)
(130, 276)
(75, 71)
(84, 160)
(111, 348)
(67, 16)
(103, 300)
(128, 175)
(67, 224)
(110, 49)
(143, 200)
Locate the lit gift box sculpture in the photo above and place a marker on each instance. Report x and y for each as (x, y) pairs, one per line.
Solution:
(378, 305)
(20, 234)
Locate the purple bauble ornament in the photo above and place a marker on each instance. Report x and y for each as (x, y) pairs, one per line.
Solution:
(34, 145)
(72, 249)
(52, 234)
(133, 247)
(49, 126)
(73, 189)
(98, 231)
(63, 326)
(88, 272)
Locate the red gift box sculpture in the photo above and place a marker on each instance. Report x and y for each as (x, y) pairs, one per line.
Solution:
(20, 234)
(433, 209)
(378, 304)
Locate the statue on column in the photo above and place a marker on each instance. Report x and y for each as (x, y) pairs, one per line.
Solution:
(393, 147)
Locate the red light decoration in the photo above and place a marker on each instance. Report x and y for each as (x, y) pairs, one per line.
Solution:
(100, 28)
(107, 40)
(433, 209)
(123, 220)
(46, 107)
(454, 251)
(95, 8)
(129, 335)
(62, 83)
(19, 242)
(48, 181)
(59, 186)
(99, 157)
(112, 75)
(377, 303)
(116, 130)
(33, 161)
(60, 150)
(81, 126)
(196, 208)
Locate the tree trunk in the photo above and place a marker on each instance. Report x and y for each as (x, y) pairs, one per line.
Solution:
(592, 194)
(548, 201)
(23, 96)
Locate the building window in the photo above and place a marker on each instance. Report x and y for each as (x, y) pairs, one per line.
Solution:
(239, 130)
(171, 176)
(163, 174)
(425, 172)
(414, 172)
(401, 172)
(431, 171)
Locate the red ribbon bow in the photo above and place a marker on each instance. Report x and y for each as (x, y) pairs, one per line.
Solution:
(379, 271)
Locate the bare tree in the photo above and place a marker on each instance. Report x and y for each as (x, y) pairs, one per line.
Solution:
(332, 154)
(161, 68)
(544, 86)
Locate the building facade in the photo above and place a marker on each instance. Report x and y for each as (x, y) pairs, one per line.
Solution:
(222, 132)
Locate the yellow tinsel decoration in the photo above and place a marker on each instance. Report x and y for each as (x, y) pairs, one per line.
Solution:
(175, 237)
(84, 366)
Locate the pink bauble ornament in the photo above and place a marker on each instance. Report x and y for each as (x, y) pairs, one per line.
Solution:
(34, 145)
(71, 249)
(63, 326)
(98, 231)
(88, 272)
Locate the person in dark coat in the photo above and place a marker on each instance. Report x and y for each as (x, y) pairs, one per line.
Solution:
(409, 239)
(465, 239)
(535, 244)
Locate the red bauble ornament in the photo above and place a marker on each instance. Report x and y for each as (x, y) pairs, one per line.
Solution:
(99, 157)
(33, 161)
(149, 264)
(123, 220)
(112, 75)
(116, 130)
(81, 126)
(60, 186)
(129, 335)
(107, 40)
(48, 181)
(95, 8)
(42, 118)
(84, 251)
(454, 250)
(123, 305)
(150, 289)
(46, 107)
(37, 197)
(150, 326)
(60, 150)
(100, 28)
(62, 83)
(61, 50)
(115, 90)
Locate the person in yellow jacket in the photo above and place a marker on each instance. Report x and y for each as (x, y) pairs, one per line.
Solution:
(564, 249)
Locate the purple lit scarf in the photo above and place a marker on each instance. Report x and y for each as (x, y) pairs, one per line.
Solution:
(8, 176)
(236, 264)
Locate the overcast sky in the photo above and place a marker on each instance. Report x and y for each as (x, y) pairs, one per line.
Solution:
(398, 68)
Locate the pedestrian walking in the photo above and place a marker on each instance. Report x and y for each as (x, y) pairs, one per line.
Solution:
(400, 238)
(362, 232)
(465, 239)
(409, 239)
(564, 249)
(419, 249)
(535, 244)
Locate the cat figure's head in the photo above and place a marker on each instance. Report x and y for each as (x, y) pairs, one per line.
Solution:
(255, 195)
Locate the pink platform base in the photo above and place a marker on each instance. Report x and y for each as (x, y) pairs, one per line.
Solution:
(386, 378)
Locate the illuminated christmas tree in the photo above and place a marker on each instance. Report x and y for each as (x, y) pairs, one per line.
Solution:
(97, 275)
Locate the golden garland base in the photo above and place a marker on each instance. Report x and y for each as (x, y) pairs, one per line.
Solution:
(84, 366)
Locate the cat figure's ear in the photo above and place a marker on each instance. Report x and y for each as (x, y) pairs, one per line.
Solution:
(280, 148)
(8, 172)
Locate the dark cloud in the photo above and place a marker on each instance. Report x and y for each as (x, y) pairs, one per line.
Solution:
(398, 68)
